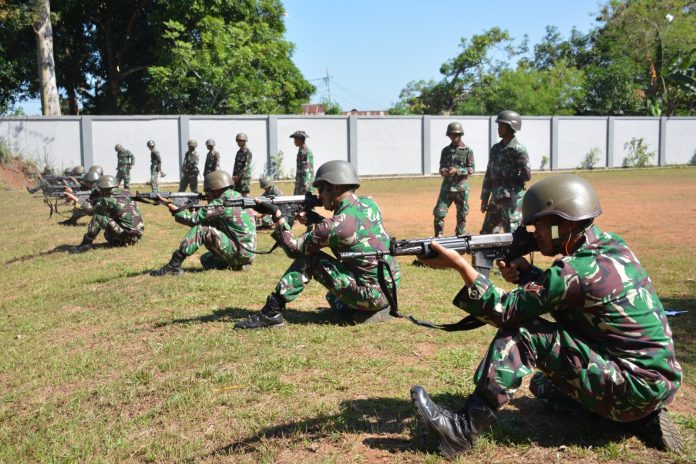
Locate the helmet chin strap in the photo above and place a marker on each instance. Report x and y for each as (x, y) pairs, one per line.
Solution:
(558, 239)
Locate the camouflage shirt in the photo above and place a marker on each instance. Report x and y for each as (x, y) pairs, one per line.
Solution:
(125, 160)
(234, 220)
(305, 170)
(190, 164)
(460, 157)
(212, 162)
(602, 296)
(121, 209)
(356, 226)
(242, 168)
(155, 161)
(507, 171)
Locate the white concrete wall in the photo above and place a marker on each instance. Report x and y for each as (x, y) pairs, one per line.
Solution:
(577, 136)
(536, 138)
(52, 140)
(388, 146)
(680, 144)
(328, 139)
(629, 128)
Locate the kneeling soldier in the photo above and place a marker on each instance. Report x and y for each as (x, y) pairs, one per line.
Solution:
(609, 349)
(114, 213)
(228, 232)
(355, 226)
(85, 207)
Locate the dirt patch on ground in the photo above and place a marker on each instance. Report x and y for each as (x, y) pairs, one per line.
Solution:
(14, 175)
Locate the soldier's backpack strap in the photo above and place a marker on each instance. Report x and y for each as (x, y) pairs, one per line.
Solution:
(389, 290)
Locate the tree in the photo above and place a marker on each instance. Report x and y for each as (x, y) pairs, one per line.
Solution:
(50, 104)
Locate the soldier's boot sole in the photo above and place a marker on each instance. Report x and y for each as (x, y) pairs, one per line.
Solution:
(658, 431)
(166, 270)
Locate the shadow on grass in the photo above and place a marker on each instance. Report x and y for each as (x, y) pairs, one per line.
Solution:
(528, 420)
(58, 249)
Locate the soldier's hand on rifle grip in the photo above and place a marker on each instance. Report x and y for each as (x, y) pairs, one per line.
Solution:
(445, 259)
(484, 206)
(511, 271)
(267, 208)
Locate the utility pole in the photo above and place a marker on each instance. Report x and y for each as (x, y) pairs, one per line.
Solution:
(327, 79)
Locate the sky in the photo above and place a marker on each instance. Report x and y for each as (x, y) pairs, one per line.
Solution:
(372, 48)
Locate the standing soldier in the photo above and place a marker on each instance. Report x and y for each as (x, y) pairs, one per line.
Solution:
(506, 173)
(155, 166)
(456, 164)
(352, 285)
(114, 213)
(212, 159)
(228, 232)
(189, 168)
(304, 174)
(241, 175)
(126, 160)
(608, 348)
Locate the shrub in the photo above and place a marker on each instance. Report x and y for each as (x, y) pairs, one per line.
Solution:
(544, 162)
(693, 159)
(638, 155)
(591, 158)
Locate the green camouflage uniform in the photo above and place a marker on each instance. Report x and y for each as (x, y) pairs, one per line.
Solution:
(224, 231)
(119, 217)
(356, 226)
(212, 162)
(155, 169)
(305, 171)
(610, 347)
(455, 188)
(84, 207)
(265, 221)
(126, 160)
(503, 186)
(242, 168)
(189, 172)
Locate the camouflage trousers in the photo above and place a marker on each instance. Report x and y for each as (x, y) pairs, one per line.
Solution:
(594, 380)
(190, 181)
(332, 274)
(223, 251)
(503, 215)
(123, 175)
(113, 232)
(154, 180)
(77, 213)
(444, 200)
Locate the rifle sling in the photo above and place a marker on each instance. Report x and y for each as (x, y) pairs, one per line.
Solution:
(383, 268)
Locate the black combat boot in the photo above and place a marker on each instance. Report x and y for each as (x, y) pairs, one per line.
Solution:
(270, 315)
(68, 222)
(86, 245)
(541, 386)
(658, 431)
(456, 432)
(172, 267)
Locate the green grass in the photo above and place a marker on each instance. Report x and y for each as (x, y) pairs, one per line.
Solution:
(103, 363)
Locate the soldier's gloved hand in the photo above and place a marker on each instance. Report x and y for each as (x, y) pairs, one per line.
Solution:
(265, 207)
(309, 217)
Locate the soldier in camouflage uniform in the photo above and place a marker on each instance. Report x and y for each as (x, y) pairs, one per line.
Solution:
(610, 349)
(241, 174)
(506, 173)
(85, 207)
(265, 221)
(189, 168)
(456, 165)
(212, 159)
(304, 173)
(114, 213)
(356, 226)
(126, 160)
(155, 166)
(229, 233)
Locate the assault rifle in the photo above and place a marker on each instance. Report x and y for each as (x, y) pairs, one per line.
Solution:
(289, 205)
(54, 190)
(180, 199)
(485, 249)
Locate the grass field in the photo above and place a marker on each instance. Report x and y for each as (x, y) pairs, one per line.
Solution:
(103, 363)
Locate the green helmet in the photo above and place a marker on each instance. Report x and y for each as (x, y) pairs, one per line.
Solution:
(92, 176)
(78, 170)
(67, 172)
(510, 118)
(98, 169)
(192, 143)
(106, 182)
(241, 136)
(299, 135)
(454, 128)
(217, 180)
(265, 182)
(118, 147)
(150, 143)
(566, 195)
(210, 142)
(337, 172)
